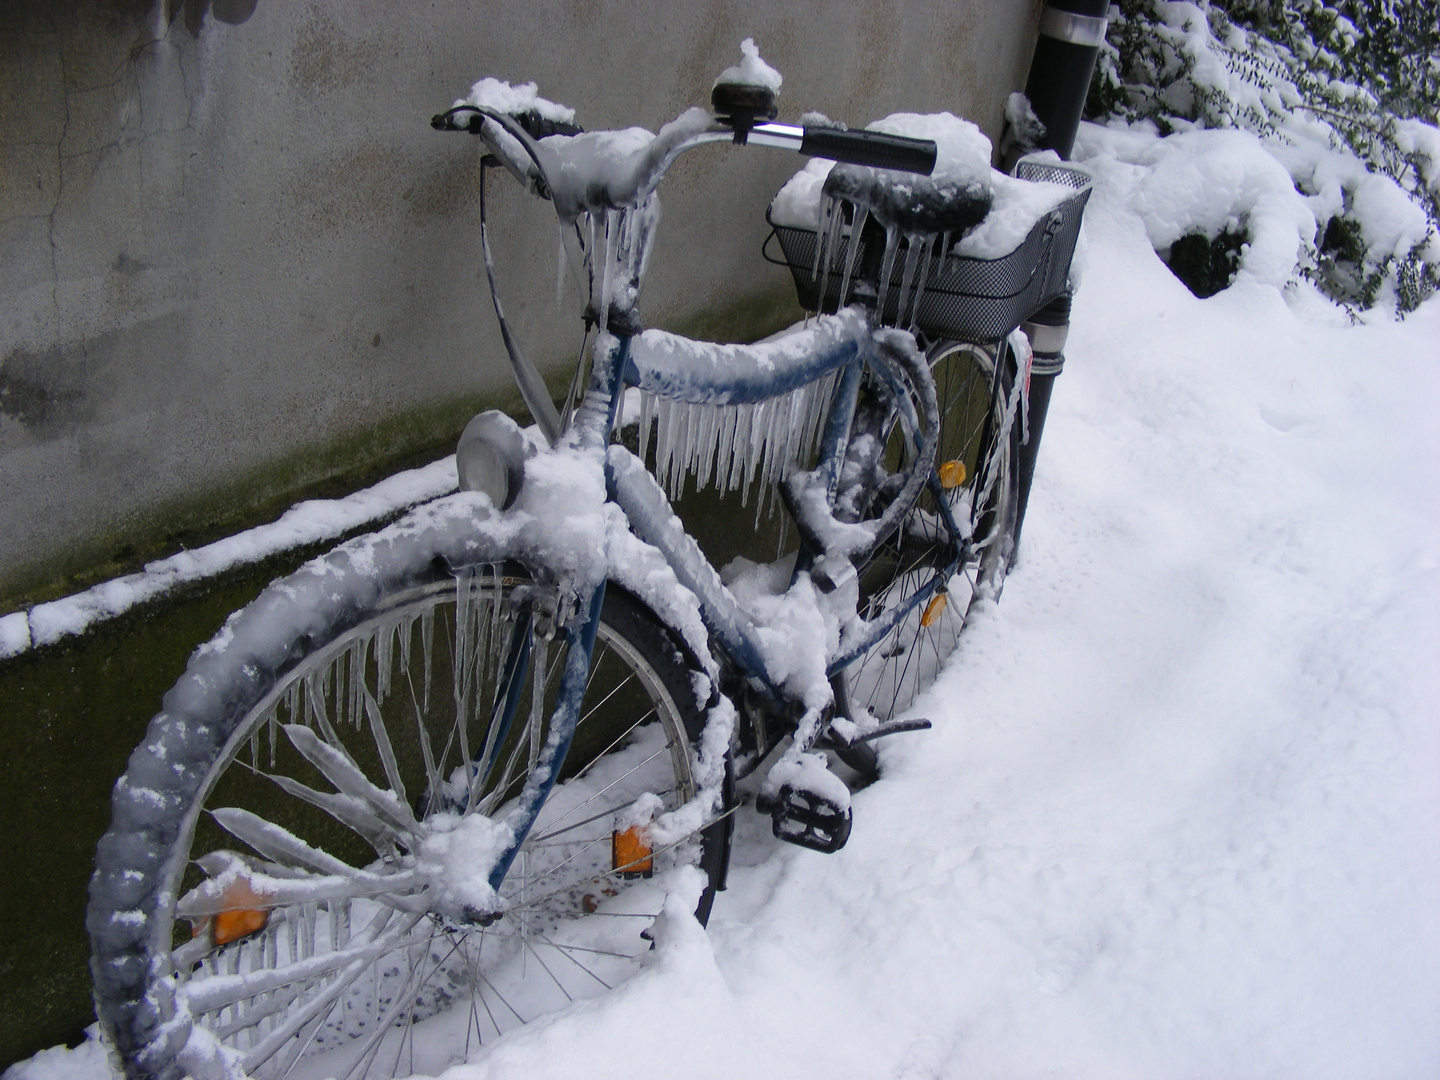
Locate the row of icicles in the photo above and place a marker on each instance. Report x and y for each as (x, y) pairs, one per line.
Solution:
(837, 252)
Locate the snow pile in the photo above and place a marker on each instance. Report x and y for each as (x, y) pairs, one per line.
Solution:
(1206, 181)
(1304, 87)
(1212, 181)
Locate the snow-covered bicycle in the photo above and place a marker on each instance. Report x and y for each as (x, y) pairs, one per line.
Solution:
(447, 777)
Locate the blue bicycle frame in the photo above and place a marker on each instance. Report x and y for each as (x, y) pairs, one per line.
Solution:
(615, 365)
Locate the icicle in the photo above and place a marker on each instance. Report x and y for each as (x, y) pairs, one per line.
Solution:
(862, 214)
(822, 229)
(647, 418)
(590, 251)
(887, 267)
(831, 245)
(307, 915)
(384, 644)
(427, 631)
(560, 260)
(670, 421)
(680, 463)
(464, 656)
(272, 724)
(357, 674)
(316, 686)
(725, 448)
(744, 435)
(495, 620)
(613, 220)
(907, 276)
(709, 430)
(925, 263)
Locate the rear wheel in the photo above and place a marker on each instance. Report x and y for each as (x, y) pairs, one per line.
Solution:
(977, 459)
(316, 912)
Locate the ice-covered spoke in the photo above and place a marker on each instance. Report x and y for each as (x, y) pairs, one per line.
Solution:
(322, 1002)
(348, 779)
(213, 897)
(221, 991)
(278, 843)
(346, 809)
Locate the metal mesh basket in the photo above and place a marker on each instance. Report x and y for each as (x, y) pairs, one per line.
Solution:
(965, 297)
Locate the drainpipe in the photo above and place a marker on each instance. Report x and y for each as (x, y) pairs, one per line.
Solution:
(1071, 32)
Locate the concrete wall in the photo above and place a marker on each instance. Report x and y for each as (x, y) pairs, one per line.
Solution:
(237, 261)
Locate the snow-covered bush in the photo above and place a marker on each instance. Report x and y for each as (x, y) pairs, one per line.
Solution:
(1343, 93)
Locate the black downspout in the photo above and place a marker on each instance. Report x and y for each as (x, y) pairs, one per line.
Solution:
(1071, 32)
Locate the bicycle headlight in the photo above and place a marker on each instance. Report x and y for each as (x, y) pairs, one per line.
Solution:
(491, 457)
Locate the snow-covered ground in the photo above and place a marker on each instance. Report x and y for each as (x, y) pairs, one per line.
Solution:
(1179, 815)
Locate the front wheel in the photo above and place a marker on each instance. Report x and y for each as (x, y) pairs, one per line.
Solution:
(309, 910)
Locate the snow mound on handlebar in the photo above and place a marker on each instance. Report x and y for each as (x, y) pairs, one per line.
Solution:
(502, 97)
(751, 71)
(963, 157)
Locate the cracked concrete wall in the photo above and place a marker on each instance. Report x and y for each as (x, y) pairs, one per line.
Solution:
(238, 262)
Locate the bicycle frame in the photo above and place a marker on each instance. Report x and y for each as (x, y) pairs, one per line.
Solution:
(616, 364)
(630, 485)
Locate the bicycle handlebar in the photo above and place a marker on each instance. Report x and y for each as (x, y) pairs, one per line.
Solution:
(691, 129)
(871, 148)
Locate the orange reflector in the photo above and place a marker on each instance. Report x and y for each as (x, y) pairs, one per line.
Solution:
(934, 609)
(241, 918)
(952, 474)
(630, 852)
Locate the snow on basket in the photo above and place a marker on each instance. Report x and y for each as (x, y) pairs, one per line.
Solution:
(977, 286)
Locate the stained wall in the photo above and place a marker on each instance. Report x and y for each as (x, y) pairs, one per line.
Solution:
(238, 266)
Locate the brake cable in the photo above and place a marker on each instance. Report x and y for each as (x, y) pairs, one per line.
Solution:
(532, 385)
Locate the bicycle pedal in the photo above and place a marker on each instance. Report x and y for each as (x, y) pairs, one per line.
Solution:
(893, 727)
(807, 819)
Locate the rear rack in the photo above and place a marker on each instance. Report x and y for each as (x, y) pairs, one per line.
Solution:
(965, 297)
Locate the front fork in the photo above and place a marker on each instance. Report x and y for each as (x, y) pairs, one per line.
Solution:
(580, 639)
(590, 430)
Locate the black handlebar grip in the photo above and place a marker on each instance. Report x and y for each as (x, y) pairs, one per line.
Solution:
(871, 148)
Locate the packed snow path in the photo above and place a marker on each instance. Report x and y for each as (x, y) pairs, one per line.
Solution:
(1179, 815)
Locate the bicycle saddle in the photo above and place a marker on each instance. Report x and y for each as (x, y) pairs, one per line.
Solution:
(911, 203)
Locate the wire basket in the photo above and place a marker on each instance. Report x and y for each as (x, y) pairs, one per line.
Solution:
(965, 297)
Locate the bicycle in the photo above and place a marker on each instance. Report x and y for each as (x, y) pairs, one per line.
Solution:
(450, 775)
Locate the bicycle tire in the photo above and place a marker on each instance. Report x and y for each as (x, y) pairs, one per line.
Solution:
(980, 429)
(159, 995)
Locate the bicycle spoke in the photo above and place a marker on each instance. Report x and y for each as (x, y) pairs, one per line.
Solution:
(540, 841)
